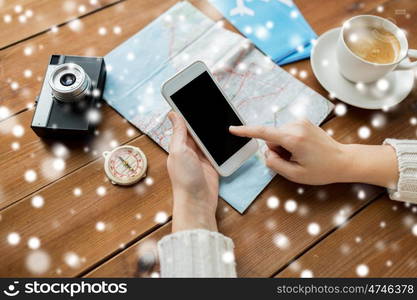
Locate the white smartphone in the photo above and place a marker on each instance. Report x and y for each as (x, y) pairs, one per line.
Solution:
(197, 97)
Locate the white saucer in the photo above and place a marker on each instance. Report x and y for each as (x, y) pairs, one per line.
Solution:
(390, 90)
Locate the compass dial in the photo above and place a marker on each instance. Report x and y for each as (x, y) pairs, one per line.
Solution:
(125, 165)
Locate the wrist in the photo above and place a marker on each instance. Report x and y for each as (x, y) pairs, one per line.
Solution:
(372, 164)
(192, 212)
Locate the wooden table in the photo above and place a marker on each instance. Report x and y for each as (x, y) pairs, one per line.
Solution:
(358, 224)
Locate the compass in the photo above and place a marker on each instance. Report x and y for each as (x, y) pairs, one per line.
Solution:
(125, 165)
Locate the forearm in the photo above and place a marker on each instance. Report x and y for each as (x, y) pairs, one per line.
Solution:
(372, 164)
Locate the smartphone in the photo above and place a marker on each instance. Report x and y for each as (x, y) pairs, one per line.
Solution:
(198, 98)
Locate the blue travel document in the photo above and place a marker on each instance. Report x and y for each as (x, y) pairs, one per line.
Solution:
(276, 27)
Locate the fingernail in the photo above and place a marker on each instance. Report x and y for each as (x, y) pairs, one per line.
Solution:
(233, 127)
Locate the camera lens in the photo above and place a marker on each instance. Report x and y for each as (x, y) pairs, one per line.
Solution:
(69, 83)
(67, 79)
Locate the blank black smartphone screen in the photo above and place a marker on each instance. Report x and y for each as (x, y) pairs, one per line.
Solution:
(209, 115)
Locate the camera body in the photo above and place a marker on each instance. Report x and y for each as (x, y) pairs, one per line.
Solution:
(71, 91)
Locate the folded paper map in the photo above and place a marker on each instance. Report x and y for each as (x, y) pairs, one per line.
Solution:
(262, 92)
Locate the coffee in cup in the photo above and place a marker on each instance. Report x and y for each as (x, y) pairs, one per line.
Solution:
(373, 44)
(369, 47)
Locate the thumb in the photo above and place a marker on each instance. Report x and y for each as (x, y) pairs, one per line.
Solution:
(283, 167)
(179, 136)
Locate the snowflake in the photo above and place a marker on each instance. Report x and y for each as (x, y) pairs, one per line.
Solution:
(358, 239)
(281, 241)
(34, 243)
(388, 263)
(22, 19)
(269, 24)
(380, 8)
(293, 71)
(130, 56)
(290, 206)
(101, 191)
(60, 150)
(161, 217)
(361, 194)
(364, 132)
(306, 274)
(82, 9)
(4, 112)
(94, 116)
(313, 228)
(38, 262)
(75, 25)
(324, 62)
(114, 143)
(102, 31)
(18, 130)
(18, 9)
(58, 164)
(353, 37)
(362, 270)
(228, 257)
(77, 192)
(27, 73)
(72, 259)
(13, 238)
(100, 226)
(382, 224)
(414, 229)
(378, 120)
(272, 202)
(294, 14)
(7, 18)
(303, 74)
(130, 132)
(382, 85)
(37, 201)
(248, 30)
(28, 50)
(30, 176)
(340, 109)
(14, 85)
(300, 191)
(15, 146)
(413, 121)
(262, 33)
(117, 30)
(149, 181)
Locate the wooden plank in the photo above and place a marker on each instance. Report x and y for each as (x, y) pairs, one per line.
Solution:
(379, 239)
(19, 92)
(125, 264)
(28, 163)
(25, 18)
(92, 226)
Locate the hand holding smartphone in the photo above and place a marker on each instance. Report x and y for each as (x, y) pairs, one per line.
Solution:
(197, 97)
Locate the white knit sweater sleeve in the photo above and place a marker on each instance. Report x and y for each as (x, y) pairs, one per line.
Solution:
(406, 151)
(196, 253)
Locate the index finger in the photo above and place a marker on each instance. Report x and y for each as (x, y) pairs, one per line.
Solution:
(266, 133)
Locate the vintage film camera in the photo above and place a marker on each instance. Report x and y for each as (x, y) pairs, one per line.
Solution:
(72, 88)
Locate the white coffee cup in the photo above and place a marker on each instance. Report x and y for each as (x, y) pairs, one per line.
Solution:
(357, 69)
